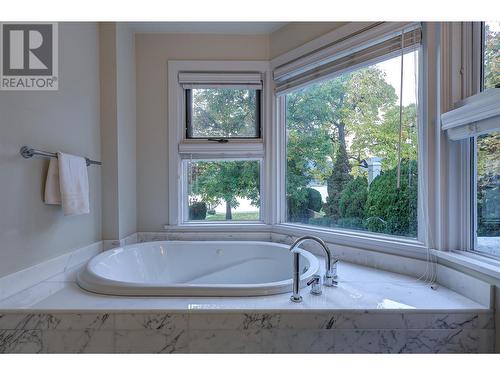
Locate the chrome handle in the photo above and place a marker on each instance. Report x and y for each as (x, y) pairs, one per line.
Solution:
(330, 276)
(315, 283)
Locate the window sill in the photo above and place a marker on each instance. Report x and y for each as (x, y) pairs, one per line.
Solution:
(471, 261)
(394, 245)
(236, 226)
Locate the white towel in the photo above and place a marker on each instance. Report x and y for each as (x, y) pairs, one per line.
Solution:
(68, 184)
(52, 190)
(74, 184)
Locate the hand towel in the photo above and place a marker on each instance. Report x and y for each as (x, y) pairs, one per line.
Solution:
(52, 192)
(74, 184)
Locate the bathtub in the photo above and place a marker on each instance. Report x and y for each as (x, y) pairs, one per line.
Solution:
(195, 268)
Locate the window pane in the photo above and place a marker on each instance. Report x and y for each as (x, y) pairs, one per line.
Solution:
(491, 54)
(488, 193)
(224, 190)
(343, 137)
(223, 113)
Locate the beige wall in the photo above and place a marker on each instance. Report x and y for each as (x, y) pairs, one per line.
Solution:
(295, 34)
(65, 120)
(118, 130)
(126, 118)
(152, 53)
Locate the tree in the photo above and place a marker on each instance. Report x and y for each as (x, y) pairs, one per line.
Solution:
(353, 198)
(217, 181)
(491, 57)
(382, 137)
(300, 211)
(389, 209)
(223, 112)
(322, 120)
(488, 182)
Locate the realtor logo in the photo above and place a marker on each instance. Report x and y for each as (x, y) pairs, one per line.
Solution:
(29, 57)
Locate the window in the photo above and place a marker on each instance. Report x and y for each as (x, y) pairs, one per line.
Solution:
(222, 113)
(216, 142)
(223, 190)
(352, 149)
(487, 155)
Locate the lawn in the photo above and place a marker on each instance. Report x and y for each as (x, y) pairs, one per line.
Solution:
(237, 216)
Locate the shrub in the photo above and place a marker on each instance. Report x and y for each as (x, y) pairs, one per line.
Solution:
(353, 199)
(198, 211)
(389, 209)
(304, 209)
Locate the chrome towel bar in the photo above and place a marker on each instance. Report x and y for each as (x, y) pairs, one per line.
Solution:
(28, 152)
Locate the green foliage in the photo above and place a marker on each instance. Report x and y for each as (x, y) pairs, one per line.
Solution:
(304, 209)
(389, 209)
(491, 58)
(337, 181)
(224, 113)
(353, 199)
(488, 189)
(217, 181)
(197, 211)
(319, 120)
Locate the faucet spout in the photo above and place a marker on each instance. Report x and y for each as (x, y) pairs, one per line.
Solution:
(330, 266)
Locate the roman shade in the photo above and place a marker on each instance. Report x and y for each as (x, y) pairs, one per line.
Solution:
(190, 80)
(475, 115)
(369, 46)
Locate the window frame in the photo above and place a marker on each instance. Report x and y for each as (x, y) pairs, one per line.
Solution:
(418, 242)
(477, 34)
(181, 148)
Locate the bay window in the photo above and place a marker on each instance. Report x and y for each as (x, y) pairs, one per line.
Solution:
(348, 155)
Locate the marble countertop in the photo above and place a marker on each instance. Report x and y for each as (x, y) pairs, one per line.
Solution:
(360, 288)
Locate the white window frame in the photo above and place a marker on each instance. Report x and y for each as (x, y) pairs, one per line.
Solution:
(365, 239)
(475, 33)
(181, 148)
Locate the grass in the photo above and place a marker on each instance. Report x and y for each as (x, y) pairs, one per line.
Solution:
(237, 216)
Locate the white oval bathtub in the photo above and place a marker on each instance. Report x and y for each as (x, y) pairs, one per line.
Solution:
(195, 268)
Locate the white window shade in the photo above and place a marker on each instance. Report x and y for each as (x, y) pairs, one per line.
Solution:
(190, 80)
(368, 47)
(476, 115)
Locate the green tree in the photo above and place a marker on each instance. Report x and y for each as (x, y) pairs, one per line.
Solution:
(389, 209)
(322, 119)
(353, 198)
(491, 57)
(223, 113)
(226, 181)
(381, 138)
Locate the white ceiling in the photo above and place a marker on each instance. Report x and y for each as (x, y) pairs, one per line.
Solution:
(248, 28)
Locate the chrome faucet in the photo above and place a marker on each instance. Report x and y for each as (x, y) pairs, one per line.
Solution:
(330, 265)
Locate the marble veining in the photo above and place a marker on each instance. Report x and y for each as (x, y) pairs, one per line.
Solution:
(255, 332)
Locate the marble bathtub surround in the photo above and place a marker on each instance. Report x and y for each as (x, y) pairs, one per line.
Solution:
(371, 311)
(56, 269)
(256, 332)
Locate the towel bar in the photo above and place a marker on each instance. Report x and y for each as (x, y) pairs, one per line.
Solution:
(28, 152)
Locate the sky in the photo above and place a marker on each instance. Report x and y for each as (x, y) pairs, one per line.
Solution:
(392, 68)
